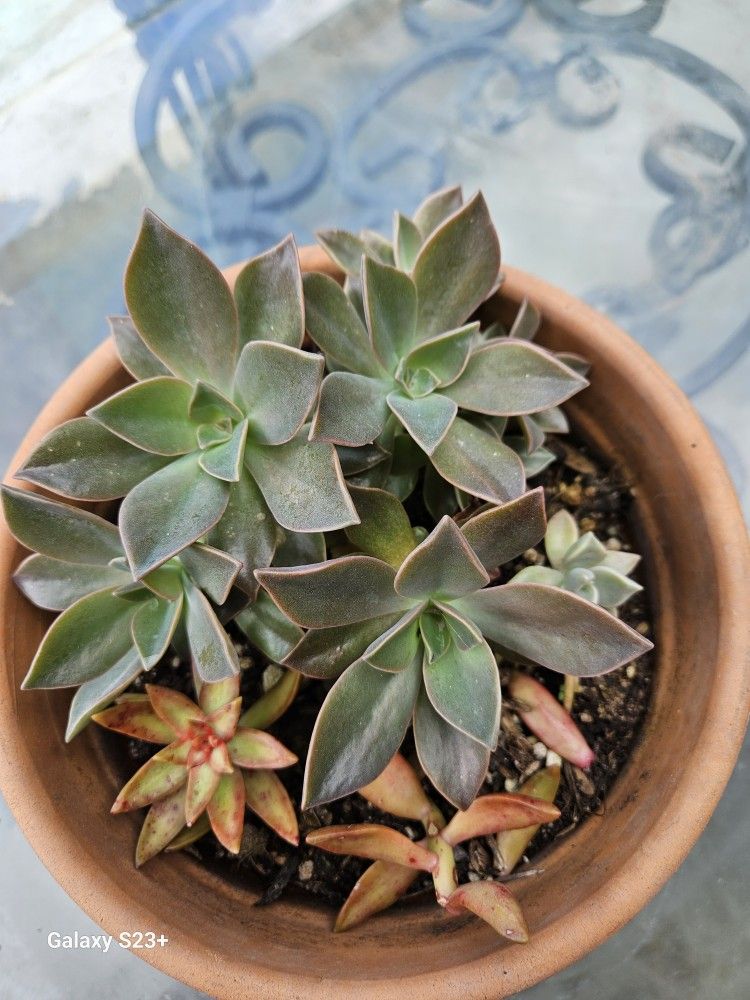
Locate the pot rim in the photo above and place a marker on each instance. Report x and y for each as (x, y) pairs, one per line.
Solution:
(618, 899)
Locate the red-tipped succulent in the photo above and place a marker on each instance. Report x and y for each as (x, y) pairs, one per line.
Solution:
(398, 860)
(216, 760)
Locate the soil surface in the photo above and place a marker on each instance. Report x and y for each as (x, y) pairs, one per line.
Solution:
(609, 711)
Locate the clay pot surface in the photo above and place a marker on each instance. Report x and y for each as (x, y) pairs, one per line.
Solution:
(593, 881)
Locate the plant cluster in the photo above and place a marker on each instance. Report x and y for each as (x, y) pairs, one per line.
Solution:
(348, 500)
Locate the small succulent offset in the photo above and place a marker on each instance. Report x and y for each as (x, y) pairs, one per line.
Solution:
(582, 565)
(210, 442)
(215, 762)
(405, 629)
(398, 860)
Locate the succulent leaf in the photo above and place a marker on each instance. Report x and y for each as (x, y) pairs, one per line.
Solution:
(390, 300)
(166, 581)
(457, 268)
(246, 531)
(478, 463)
(181, 305)
(511, 844)
(427, 419)
(267, 797)
(561, 534)
(445, 356)
(326, 652)
(82, 460)
(153, 415)
(384, 530)
(490, 814)
(163, 822)
(218, 695)
(527, 322)
(96, 694)
(495, 904)
(272, 705)
(502, 533)
(381, 885)
(209, 406)
(212, 570)
(334, 325)
(359, 728)
(55, 585)
(444, 875)
(136, 718)
(398, 791)
(156, 779)
(253, 748)
(189, 834)
(268, 628)
(352, 410)
(134, 354)
(395, 649)
(621, 562)
(543, 714)
(152, 628)
(539, 574)
(224, 460)
(276, 385)
(464, 688)
(297, 548)
(223, 719)
(212, 652)
(226, 810)
(442, 566)
(176, 709)
(612, 588)
(344, 249)
(202, 782)
(407, 240)
(436, 208)
(268, 292)
(371, 840)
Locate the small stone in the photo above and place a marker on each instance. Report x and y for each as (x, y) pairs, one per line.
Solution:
(305, 870)
(571, 493)
(643, 627)
(474, 877)
(246, 662)
(280, 859)
(175, 661)
(271, 676)
(587, 524)
(531, 556)
(584, 782)
(532, 769)
(510, 784)
(575, 460)
(586, 717)
(590, 491)
(553, 759)
(540, 750)
(630, 671)
(613, 544)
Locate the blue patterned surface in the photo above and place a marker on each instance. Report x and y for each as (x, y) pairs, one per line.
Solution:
(611, 139)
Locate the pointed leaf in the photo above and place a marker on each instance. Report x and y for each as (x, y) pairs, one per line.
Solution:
(585, 640)
(587, 551)
(276, 386)
(246, 531)
(223, 720)
(153, 626)
(214, 696)
(181, 305)
(511, 844)
(326, 652)
(492, 813)
(508, 377)
(479, 463)
(209, 406)
(82, 460)
(334, 325)
(87, 639)
(538, 574)
(201, 784)
(395, 649)
(407, 240)
(344, 249)
(224, 461)
(463, 632)
(176, 709)
(254, 748)
(561, 534)
(136, 719)
(268, 292)
(169, 511)
(268, 628)
(268, 799)
(390, 300)
(612, 587)
(352, 409)
(153, 415)
(370, 840)
(621, 562)
(55, 585)
(457, 268)
(445, 356)
(399, 791)
(445, 876)
(384, 530)
(359, 728)
(379, 887)
(427, 419)
(163, 822)
(443, 565)
(211, 649)
(59, 531)
(226, 811)
(436, 208)
(503, 533)
(455, 764)
(134, 354)
(189, 834)
(338, 592)
(96, 694)
(213, 571)
(435, 634)
(527, 322)
(464, 687)
(272, 705)
(543, 714)
(155, 780)
(302, 484)
(495, 904)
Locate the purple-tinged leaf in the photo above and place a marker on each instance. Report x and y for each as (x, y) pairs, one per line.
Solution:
(268, 292)
(479, 463)
(152, 628)
(464, 688)
(224, 460)
(493, 813)
(352, 410)
(136, 719)
(390, 300)
(543, 714)
(407, 240)
(371, 840)
(96, 694)
(56, 585)
(212, 651)
(384, 530)
(153, 415)
(155, 780)
(134, 354)
(395, 649)
(268, 628)
(211, 569)
(163, 822)
(503, 533)
(210, 407)
(495, 904)
(445, 356)
(427, 419)
(246, 531)
(436, 208)
(268, 799)
(344, 249)
(527, 322)
(326, 652)
(226, 811)
(442, 566)
(276, 386)
(334, 325)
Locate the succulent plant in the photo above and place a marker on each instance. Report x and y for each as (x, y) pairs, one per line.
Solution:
(404, 629)
(211, 442)
(511, 845)
(399, 860)
(412, 375)
(113, 627)
(215, 762)
(543, 714)
(582, 565)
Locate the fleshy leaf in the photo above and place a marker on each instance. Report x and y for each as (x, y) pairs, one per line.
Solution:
(246, 531)
(445, 356)
(96, 694)
(371, 840)
(561, 534)
(407, 240)
(344, 249)
(455, 764)
(502, 533)
(272, 705)
(169, 511)
(181, 305)
(202, 782)
(254, 748)
(479, 463)
(302, 484)
(444, 876)
(435, 633)
(334, 325)
(153, 626)
(443, 566)
(326, 652)
(58, 530)
(155, 780)
(613, 588)
(87, 639)
(395, 649)
(211, 649)
(189, 834)
(399, 792)
(463, 632)
(166, 581)
(585, 639)
(508, 377)
(268, 292)
(82, 460)
(490, 814)
(427, 419)
(390, 300)
(136, 719)
(55, 585)
(436, 208)
(464, 687)
(163, 822)
(176, 709)
(381, 885)
(352, 409)
(268, 799)
(511, 844)
(384, 530)
(538, 574)
(587, 551)
(359, 728)
(276, 385)
(543, 714)
(457, 268)
(495, 904)
(527, 322)
(212, 570)
(621, 562)
(209, 406)
(300, 548)
(226, 811)
(134, 354)
(152, 415)
(338, 592)
(224, 461)
(268, 628)
(215, 696)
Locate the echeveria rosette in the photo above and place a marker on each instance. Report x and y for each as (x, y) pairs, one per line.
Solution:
(415, 367)
(215, 761)
(112, 627)
(210, 442)
(582, 565)
(404, 629)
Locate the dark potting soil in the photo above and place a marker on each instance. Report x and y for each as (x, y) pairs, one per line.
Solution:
(609, 711)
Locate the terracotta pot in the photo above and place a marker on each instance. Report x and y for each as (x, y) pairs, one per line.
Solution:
(593, 881)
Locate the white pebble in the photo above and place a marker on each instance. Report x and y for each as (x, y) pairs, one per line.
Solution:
(510, 784)
(540, 750)
(553, 759)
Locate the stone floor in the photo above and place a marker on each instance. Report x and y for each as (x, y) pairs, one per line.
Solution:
(610, 138)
